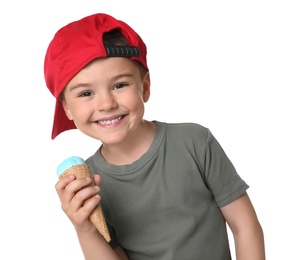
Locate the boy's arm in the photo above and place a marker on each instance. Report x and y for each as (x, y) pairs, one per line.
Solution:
(94, 247)
(78, 200)
(247, 231)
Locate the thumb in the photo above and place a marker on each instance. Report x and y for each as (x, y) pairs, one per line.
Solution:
(96, 179)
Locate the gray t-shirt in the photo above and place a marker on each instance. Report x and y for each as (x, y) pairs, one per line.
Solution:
(165, 205)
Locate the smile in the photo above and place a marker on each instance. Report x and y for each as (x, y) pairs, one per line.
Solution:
(110, 122)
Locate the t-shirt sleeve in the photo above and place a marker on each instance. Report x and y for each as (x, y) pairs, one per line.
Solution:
(220, 174)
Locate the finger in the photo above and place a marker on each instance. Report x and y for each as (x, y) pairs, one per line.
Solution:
(96, 179)
(71, 189)
(81, 218)
(62, 183)
(84, 202)
(89, 205)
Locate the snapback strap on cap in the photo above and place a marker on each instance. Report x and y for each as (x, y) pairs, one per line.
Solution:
(122, 51)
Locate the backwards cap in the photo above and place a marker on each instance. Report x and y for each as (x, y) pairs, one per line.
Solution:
(77, 44)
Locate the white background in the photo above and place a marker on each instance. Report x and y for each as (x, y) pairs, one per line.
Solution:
(228, 65)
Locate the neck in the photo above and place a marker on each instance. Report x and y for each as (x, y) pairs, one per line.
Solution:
(132, 149)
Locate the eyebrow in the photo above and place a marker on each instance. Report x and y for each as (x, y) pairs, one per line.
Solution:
(86, 85)
(79, 85)
(122, 76)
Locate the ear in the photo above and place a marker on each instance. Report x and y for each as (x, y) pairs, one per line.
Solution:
(66, 110)
(146, 87)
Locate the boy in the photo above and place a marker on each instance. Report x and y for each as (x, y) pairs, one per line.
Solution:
(167, 190)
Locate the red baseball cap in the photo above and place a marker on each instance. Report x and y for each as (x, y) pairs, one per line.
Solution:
(77, 44)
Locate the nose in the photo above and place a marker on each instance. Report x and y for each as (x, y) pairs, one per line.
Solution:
(106, 101)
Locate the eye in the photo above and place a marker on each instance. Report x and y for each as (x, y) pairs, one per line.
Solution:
(120, 85)
(85, 94)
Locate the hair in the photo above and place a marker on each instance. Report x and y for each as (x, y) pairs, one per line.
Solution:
(116, 38)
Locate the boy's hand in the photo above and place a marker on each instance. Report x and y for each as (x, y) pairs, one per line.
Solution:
(78, 199)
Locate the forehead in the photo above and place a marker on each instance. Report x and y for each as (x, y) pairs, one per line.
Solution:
(106, 69)
(112, 65)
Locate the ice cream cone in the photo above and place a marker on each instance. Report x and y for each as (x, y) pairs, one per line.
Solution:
(97, 216)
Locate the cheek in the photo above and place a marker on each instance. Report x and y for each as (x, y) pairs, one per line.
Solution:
(79, 113)
(135, 101)
(138, 106)
(75, 111)
(67, 110)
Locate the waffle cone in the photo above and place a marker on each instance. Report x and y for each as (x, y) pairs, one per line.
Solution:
(97, 216)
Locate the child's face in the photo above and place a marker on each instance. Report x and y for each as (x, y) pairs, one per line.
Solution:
(106, 99)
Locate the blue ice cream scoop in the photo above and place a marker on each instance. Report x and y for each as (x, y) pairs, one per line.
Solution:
(67, 163)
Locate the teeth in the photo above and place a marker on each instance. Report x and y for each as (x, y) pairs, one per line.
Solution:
(109, 122)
